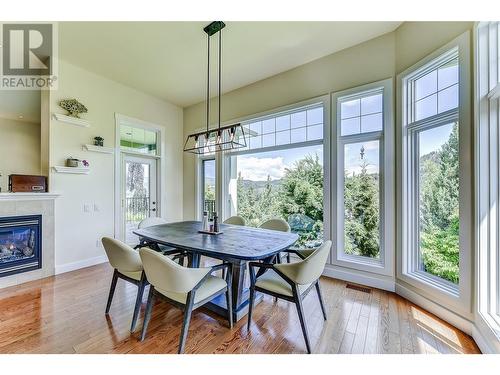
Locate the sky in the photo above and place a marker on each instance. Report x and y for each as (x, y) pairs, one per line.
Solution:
(257, 167)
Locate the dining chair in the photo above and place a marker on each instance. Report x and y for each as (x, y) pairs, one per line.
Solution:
(291, 282)
(185, 288)
(279, 225)
(276, 224)
(235, 220)
(179, 255)
(127, 266)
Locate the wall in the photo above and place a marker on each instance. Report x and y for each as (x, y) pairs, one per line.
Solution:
(20, 149)
(367, 62)
(78, 233)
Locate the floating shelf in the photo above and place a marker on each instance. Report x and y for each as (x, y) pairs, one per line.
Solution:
(101, 149)
(71, 120)
(72, 170)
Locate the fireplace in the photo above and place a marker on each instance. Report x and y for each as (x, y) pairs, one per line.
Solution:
(20, 244)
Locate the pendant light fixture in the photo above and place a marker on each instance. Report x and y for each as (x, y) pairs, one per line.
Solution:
(222, 138)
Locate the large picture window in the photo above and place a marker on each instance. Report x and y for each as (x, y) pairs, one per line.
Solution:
(433, 168)
(363, 219)
(280, 173)
(435, 181)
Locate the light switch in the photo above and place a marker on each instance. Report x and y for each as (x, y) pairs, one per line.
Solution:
(86, 207)
(96, 207)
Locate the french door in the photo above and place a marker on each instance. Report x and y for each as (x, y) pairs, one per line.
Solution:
(138, 194)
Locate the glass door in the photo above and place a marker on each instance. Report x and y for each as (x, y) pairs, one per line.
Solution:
(138, 194)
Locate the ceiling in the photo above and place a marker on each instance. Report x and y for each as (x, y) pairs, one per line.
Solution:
(20, 105)
(168, 59)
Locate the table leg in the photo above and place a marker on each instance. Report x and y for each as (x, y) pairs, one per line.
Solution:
(194, 260)
(240, 294)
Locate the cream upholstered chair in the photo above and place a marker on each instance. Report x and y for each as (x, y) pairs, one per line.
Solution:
(167, 250)
(235, 220)
(276, 224)
(291, 282)
(186, 288)
(128, 266)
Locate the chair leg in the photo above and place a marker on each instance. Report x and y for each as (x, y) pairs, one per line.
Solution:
(250, 307)
(188, 309)
(300, 311)
(138, 302)
(147, 314)
(320, 297)
(112, 290)
(288, 258)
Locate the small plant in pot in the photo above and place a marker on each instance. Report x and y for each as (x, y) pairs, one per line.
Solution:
(99, 141)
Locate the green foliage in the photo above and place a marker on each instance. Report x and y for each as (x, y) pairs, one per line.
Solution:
(439, 189)
(302, 193)
(440, 251)
(361, 220)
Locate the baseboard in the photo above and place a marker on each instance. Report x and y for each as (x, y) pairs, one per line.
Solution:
(80, 264)
(449, 316)
(359, 277)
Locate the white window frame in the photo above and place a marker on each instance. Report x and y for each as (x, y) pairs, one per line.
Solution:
(385, 264)
(225, 164)
(487, 180)
(200, 187)
(441, 291)
(221, 164)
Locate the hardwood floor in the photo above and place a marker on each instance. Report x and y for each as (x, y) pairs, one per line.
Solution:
(65, 314)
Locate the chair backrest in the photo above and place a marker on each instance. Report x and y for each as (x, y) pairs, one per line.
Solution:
(276, 224)
(165, 274)
(235, 220)
(121, 256)
(150, 221)
(309, 269)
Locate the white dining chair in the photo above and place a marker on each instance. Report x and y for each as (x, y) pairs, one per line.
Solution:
(276, 224)
(185, 288)
(127, 266)
(235, 220)
(291, 282)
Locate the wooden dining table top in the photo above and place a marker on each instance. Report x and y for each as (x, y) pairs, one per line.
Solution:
(236, 242)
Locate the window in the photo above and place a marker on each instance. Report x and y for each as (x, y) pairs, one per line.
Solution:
(435, 185)
(488, 174)
(363, 213)
(208, 193)
(432, 136)
(280, 173)
(138, 140)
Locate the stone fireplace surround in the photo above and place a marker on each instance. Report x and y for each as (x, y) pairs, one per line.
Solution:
(20, 204)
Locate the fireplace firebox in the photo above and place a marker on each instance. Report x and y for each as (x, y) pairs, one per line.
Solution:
(20, 244)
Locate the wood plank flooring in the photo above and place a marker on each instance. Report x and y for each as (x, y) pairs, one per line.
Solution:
(65, 314)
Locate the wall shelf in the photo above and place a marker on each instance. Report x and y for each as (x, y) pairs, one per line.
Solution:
(71, 120)
(101, 149)
(71, 170)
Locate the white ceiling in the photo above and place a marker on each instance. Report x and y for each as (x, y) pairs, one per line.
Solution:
(168, 59)
(21, 105)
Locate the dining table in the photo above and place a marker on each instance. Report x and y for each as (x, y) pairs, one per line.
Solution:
(235, 244)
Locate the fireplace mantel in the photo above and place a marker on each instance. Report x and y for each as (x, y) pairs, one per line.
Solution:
(27, 196)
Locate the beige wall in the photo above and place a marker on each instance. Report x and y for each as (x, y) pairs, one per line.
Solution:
(415, 40)
(78, 233)
(20, 149)
(374, 60)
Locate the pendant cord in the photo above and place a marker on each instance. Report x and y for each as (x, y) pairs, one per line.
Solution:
(220, 59)
(208, 83)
